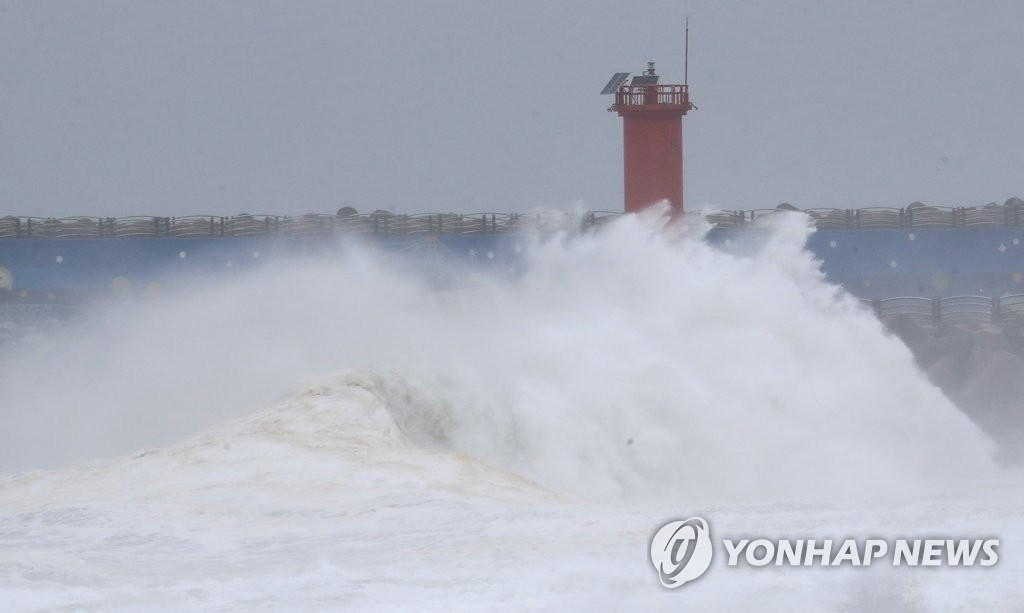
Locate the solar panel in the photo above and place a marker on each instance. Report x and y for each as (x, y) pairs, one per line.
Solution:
(646, 79)
(613, 84)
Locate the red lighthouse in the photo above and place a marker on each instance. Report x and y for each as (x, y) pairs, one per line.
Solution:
(652, 127)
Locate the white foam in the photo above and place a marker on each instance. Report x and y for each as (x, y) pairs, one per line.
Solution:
(732, 376)
(474, 447)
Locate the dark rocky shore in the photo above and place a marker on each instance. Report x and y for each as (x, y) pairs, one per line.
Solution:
(981, 369)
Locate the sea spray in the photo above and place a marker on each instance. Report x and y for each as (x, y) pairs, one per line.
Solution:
(634, 363)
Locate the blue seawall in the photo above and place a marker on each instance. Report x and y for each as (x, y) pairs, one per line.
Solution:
(870, 263)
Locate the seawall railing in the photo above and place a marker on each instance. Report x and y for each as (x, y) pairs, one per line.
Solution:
(992, 215)
(206, 226)
(194, 226)
(936, 312)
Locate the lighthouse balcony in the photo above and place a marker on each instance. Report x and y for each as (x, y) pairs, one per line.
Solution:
(652, 98)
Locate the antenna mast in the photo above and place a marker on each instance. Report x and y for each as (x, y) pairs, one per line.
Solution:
(686, 56)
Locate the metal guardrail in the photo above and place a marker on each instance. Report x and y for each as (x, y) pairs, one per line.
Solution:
(922, 216)
(194, 226)
(934, 312)
(205, 226)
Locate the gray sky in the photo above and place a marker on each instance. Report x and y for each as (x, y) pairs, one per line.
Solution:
(131, 107)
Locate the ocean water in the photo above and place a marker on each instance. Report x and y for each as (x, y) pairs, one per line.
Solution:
(342, 434)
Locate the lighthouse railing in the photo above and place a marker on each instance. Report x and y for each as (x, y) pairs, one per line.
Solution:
(651, 95)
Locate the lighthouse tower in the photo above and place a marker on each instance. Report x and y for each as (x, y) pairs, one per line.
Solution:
(652, 129)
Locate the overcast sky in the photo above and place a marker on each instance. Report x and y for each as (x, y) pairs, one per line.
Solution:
(174, 107)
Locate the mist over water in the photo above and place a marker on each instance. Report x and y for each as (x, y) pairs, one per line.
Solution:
(635, 363)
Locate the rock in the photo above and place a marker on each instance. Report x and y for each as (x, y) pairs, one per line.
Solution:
(994, 394)
(949, 375)
(906, 329)
(981, 370)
